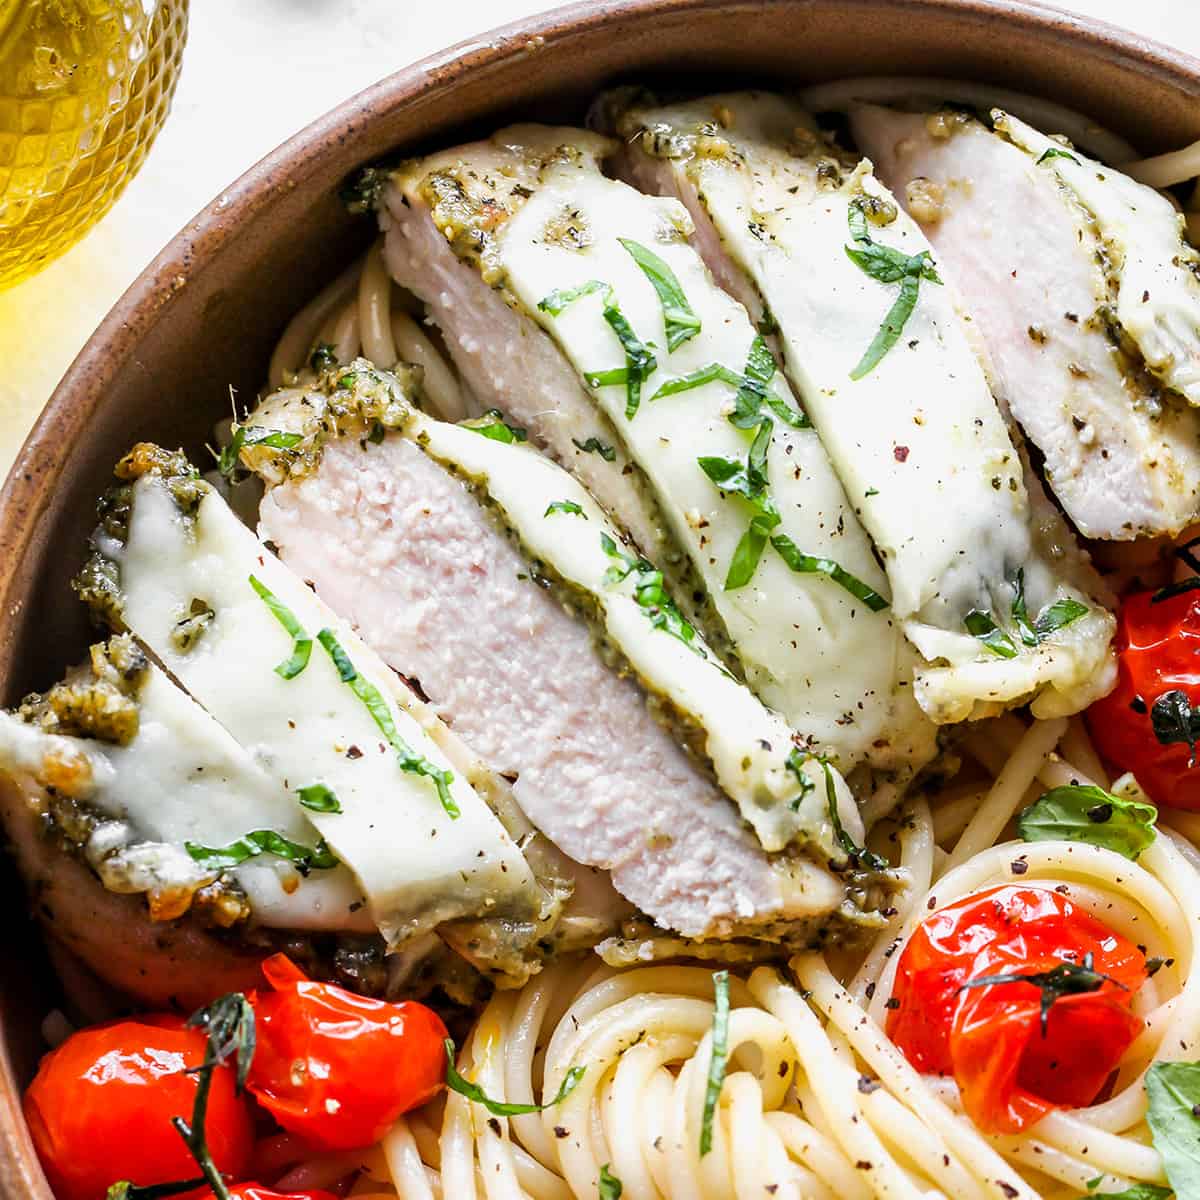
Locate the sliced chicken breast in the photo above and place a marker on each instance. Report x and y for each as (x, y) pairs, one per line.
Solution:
(882, 365)
(1122, 453)
(529, 217)
(470, 564)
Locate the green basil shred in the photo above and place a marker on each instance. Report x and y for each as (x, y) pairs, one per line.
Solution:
(886, 265)
(565, 506)
(381, 714)
(1173, 1091)
(500, 1108)
(608, 1186)
(254, 435)
(717, 1059)
(594, 445)
(264, 841)
(858, 855)
(681, 322)
(301, 642)
(492, 425)
(319, 798)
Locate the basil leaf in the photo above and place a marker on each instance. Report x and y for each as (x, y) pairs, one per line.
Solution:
(376, 705)
(795, 763)
(1020, 613)
(625, 564)
(491, 425)
(886, 265)
(608, 1185)
(1055, 153)
(1173, 1089)
(1139, 1191)
(681, 322)
(858, 855)
(1082, 813)
(498, 1108)
(698, 378)
(980, 625)
(1060, 614)
(263, 841)
(594, 445)
(565, 506)
(253, 435)
(301, 642)
(717, 1061)
(749, 551)
(559, 299)
(809, 564)
(1173, 719)
(640, 362)
(319, 798)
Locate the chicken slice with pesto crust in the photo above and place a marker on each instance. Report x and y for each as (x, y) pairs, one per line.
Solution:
(631, 328)
(312, 705)
(880, 360)
(491, 578)
(1045, 293)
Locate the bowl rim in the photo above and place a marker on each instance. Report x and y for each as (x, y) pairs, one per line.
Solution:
(25, 498)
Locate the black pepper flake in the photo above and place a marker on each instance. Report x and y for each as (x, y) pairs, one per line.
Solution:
(1018, 867)
(892, 1003)
(900, 453)
(561, 1131)
(867, 1085)
(494, 1126)
(1008, 1189)
(354, 752)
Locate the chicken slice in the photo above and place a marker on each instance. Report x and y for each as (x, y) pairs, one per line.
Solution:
(881, 363)
(472, 564)
(1121, 453)
(529, 216)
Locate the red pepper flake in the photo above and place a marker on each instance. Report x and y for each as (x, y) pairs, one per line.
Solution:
(900, 453)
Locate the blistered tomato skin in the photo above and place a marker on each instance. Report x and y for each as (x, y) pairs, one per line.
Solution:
(1158, 650)
(337, 1068)
(100, 1109)
(1010, 1072)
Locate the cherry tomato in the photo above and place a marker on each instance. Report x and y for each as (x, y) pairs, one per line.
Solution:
(100, 1108)
(337, 1068)
(256, 1191)
(1010, 1068)
(1158, 650)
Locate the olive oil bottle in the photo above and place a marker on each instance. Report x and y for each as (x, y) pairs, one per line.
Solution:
(84, 88)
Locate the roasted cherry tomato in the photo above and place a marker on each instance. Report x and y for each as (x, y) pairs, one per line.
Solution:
(1016, 1049)
(256, 1191)
(100, 1109)
(1158, 651)
(337, 1068)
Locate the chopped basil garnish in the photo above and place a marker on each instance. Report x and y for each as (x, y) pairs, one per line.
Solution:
(795, 763)
(1173, 1090)
(301, 642)
(858, 855)
(661, 611)
(1054, 152)
(381, 714)
(1057, 616)
(809, 564)
(1067, 979)
(491, 425)
(981, 625)
(1079, 813)
(754, 402)
(640, 362)
(608, 1185)
(253, 435)
(1020, 613)
(565, 506)
(716, 1063)
(1173, 719)
(1139, 1191)
(748, 480)
(594, 445)
(681, 322)
(264, 841)
(886, 265)
(320, 798)
(499, 1108)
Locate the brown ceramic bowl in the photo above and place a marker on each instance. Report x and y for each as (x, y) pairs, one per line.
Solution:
(204, 314)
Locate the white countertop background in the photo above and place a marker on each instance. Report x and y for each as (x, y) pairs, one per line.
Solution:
(254, 72)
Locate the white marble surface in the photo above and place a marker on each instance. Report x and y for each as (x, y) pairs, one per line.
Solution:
(256, 71)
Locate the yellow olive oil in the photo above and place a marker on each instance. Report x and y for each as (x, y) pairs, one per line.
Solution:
(84, 88)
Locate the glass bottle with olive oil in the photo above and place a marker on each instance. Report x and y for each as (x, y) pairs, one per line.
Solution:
(84, 88)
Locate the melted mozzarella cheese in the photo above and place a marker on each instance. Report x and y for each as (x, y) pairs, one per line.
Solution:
(417, 865)
(182, 779)
(918, 441)
(836, 670)
(1158, 294)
